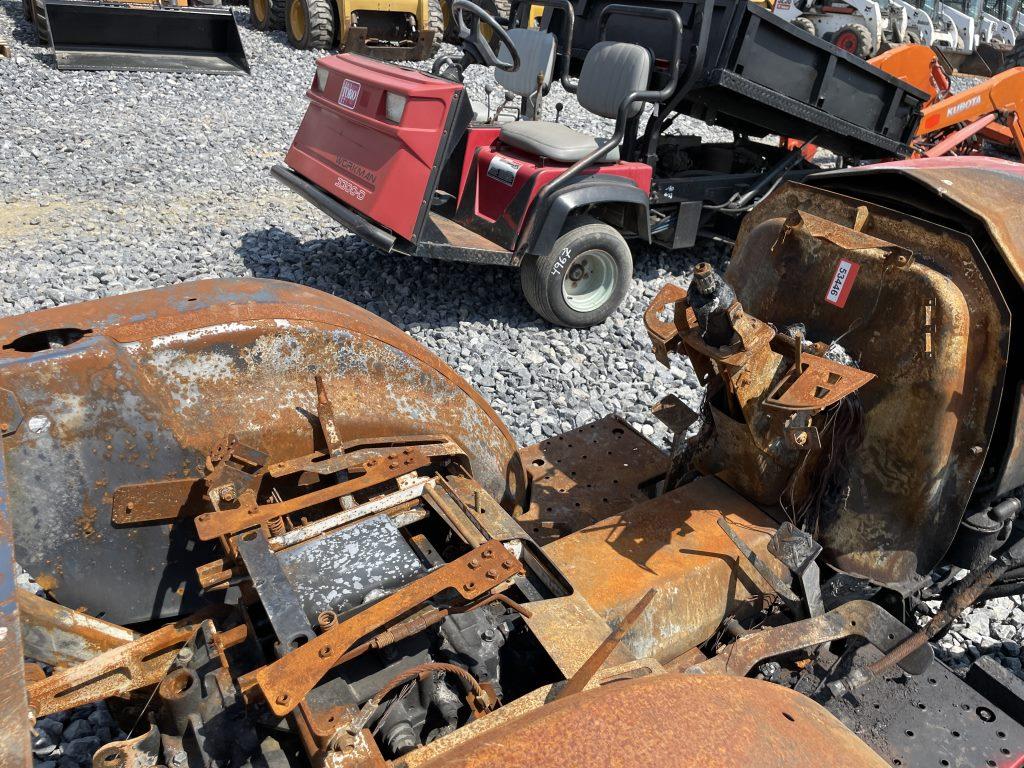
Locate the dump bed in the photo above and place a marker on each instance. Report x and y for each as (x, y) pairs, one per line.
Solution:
(758, 74)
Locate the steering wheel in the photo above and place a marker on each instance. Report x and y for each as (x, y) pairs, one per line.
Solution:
(473, 40)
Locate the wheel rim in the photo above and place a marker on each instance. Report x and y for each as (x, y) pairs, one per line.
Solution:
(297, 17)
(847, 41)
(259, 10)
(589, 281)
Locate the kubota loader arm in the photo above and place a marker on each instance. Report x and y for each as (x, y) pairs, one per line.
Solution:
(999, 97)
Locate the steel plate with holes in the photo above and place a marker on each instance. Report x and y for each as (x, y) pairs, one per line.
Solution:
(339, 570)
(934, 720)
(586, 475)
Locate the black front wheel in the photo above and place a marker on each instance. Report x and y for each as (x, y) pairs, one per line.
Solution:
(583, 278)
(310, 24)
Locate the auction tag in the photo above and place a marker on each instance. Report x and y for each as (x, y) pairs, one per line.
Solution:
(842, 283)
(349, 94)
(502, 169)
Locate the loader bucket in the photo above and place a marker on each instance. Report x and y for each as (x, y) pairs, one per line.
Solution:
(987, 59)
(98, 36)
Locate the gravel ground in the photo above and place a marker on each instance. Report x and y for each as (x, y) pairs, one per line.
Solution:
(114, 182)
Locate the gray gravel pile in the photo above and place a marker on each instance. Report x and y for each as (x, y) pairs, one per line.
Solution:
(114, 182)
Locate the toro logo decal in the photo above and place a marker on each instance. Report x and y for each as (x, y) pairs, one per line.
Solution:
(842, 283)
(349, 94)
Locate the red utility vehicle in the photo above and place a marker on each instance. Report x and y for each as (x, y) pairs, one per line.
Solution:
(399, 157)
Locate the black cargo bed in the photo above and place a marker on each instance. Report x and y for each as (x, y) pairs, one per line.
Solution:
(758, 74)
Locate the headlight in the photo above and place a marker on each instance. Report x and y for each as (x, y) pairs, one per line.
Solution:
(394, 107)
(322, 74)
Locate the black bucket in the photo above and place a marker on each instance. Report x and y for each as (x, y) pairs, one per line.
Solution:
(100, 36)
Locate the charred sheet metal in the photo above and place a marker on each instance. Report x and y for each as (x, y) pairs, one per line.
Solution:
(677, 720)
(140, 388)
(586, 475)
(672, 543)
(14, 717)
(60, 636)
(918, 307)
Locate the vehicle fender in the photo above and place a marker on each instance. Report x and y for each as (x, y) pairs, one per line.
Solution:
(546, 219)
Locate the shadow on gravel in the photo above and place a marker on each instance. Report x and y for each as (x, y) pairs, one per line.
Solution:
(23, 32)
(422, 292)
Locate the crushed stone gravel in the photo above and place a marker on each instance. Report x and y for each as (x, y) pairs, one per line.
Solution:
(114, 182)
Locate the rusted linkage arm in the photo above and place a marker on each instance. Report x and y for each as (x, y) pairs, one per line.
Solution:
(287, 681)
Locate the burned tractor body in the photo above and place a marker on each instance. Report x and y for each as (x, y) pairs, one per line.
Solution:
(328, 550)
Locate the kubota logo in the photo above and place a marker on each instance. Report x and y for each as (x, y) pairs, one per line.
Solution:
(963, 106)
(349, 94)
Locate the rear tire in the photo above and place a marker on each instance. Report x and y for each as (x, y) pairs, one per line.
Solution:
(42, 25)
(267, 14)
(310, 24)
(436, 23)
(854, 39)
(584, 276)
(806, 24)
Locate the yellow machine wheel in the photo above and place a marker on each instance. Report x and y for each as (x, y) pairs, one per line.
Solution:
(267, 14)
(310, 24)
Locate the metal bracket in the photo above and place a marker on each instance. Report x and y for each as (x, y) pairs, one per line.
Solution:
(287, 681)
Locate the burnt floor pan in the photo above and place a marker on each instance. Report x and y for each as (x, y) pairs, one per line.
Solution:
(99, 36)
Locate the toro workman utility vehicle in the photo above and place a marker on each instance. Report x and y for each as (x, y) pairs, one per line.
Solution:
(403, 159)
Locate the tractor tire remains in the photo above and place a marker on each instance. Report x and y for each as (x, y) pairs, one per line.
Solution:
(42, 25)
(806, 24)
(267, 14)
(854, 39)
(584, 276)
(310, 24)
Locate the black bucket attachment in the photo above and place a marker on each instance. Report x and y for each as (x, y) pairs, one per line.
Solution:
(101, 36)
(987, 59)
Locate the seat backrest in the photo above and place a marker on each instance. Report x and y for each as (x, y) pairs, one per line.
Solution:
(536, 55)
(611, 71)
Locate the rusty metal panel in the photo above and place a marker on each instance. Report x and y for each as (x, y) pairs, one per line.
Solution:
(586, 475)
(139, 388)
(684, 721)
(924, 315)
(672, 543)
(15, 750)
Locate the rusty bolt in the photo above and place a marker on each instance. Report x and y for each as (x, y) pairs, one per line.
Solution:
(487, 554)
(392, 466)
(901, 260)
(491, 574)
(800, 438)
(326, 619)
(507, 565)
(469, 585)
(473, 564)
(227, 492)
(282, 699)
(407, 451)
(325, 652)
(4, 427)
(129, 507)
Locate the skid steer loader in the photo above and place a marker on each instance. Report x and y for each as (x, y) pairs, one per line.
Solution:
(391, 30)
(861, 27)
(194, 36)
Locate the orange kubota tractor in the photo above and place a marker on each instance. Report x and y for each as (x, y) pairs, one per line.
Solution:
(958, 123)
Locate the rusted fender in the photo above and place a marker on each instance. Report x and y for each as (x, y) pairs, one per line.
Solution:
(15, 751)
(140, 387)
(685, 721)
